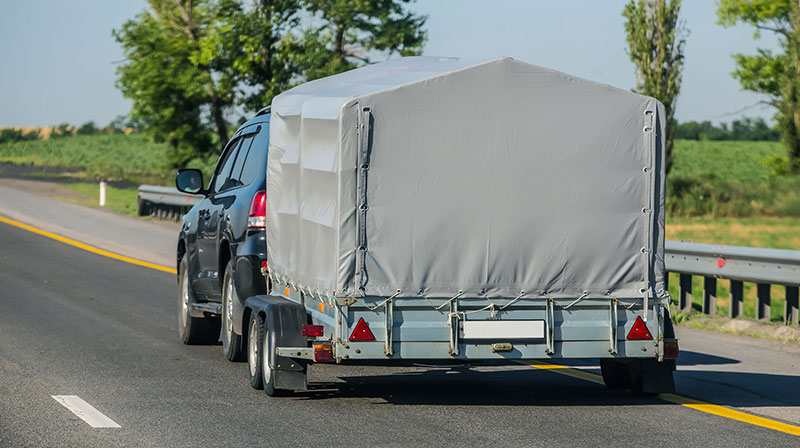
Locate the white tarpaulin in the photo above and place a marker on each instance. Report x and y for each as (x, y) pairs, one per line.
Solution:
(437, 175)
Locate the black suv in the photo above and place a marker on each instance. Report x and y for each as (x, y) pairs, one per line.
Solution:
(222, 244)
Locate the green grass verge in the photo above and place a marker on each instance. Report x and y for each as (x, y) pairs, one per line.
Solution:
(118, 200)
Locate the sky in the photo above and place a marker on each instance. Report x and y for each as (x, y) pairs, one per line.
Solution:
(59, 58)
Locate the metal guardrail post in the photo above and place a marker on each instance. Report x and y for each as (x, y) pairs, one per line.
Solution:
(763, 302)
(762, 266)
(790, 310)
(737, 298)
(709, 296)
(685, 293)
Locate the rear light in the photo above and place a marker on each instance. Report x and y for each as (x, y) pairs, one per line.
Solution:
(323, 352)
(671, 350)
(312, 330)
(258, 211)
(362, 332)
(639, 330)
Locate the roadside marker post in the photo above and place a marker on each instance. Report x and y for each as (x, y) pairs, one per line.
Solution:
(102, 193)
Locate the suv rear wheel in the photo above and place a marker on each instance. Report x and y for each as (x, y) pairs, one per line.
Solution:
(231, 342)
(193, 330)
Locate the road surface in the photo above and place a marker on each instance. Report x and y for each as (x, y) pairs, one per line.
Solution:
(74, 323)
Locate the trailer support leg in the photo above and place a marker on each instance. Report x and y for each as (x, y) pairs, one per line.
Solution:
(613, 324)
(388, 349)
(454, 327)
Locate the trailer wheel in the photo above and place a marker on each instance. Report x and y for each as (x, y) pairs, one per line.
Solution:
(615, 374)
(255, 351)
(231, 342)
(193, 330)
(267, 372)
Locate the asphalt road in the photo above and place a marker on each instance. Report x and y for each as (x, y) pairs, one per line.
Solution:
(75, 323)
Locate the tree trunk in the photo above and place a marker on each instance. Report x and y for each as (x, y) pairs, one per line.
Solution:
(218, 117)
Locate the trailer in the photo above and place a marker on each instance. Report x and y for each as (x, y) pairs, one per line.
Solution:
(450, 209)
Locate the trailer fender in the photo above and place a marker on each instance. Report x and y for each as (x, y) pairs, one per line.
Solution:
(284, 320)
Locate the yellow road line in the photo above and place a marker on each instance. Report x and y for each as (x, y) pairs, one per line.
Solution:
(701, 406)
(87, 247)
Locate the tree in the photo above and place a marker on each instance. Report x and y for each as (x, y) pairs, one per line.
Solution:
(655, 45)
(775, 75)
(268, 62)
(191, 64)
(348, 33)
(87, 128)
(179, 73)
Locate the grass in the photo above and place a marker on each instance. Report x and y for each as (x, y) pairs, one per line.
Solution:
(118, 200)
(130, 158)
(777, 233)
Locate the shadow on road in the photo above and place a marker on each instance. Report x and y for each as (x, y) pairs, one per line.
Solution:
(487, 384)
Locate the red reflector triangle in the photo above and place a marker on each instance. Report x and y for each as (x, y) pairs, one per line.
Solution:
(639, 330)
(362, 332)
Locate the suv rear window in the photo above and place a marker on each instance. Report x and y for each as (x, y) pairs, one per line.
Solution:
(254, 166)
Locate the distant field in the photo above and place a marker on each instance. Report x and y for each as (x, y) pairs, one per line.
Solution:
(730, 179)
(132, 158)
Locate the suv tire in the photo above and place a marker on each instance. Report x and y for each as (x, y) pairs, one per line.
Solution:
(231, 342)
(193, 330)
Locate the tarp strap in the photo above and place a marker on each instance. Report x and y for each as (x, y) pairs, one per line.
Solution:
(364, 127)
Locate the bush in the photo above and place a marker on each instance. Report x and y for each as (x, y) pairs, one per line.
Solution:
(88, 128)
(16, 135)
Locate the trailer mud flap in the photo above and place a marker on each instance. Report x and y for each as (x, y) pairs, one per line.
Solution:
(284, 320)
(649, 376)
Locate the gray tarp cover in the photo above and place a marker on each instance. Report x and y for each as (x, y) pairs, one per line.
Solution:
(431, 176)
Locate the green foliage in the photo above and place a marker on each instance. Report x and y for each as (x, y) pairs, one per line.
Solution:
(192, 64)
(133, 158)
(746, 129)
(348, 31)
(88, 128)
(17, 135)
(655, 45)
(774, 75)
(62, 130)
(179, 75)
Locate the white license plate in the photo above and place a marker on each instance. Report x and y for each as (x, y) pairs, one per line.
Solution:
(502, 330)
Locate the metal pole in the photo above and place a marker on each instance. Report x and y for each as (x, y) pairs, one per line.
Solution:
(709, 296)
(790, 311)
(763, 303)
(737, 298)
(685, 293)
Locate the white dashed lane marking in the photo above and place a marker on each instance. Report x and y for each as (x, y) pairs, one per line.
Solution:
(85, 411)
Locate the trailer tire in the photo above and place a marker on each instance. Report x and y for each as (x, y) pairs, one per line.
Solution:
(616, 374)
(231, 342)
(267, 372)
(193, 330)
(255, 351)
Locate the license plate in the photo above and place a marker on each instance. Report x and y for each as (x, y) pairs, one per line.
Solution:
(502, 329)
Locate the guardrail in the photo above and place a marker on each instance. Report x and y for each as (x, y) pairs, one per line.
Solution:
(764, 267)
(164, 202)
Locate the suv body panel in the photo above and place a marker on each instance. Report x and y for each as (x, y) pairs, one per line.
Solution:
(215, 229)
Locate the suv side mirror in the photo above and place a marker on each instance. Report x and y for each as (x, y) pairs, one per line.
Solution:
(189, 180)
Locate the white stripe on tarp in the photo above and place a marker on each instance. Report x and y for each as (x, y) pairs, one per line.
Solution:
(85, 411)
